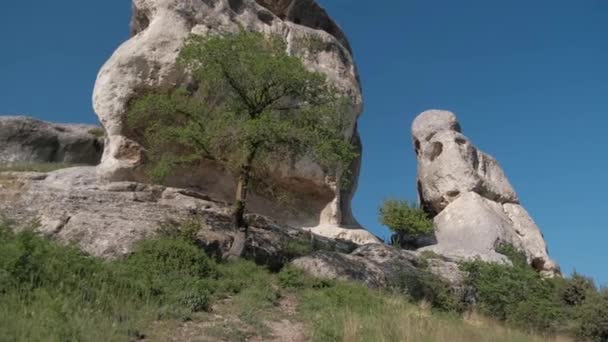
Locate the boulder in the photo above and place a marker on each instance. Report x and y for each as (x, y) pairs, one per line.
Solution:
(377, 266)
(27, 140)
(474, 206)
(148, 61)
(450, 165)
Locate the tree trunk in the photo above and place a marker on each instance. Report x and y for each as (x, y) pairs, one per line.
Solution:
(238, 215)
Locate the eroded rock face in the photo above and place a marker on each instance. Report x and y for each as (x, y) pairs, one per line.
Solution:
(148, 61)
(27, 140)
(107, 219)
(474, 206)
(382, 266)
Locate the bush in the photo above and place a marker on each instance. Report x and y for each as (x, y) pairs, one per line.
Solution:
(403, 217)
(53, 292)
(516, 294)
(593, 315)
(577, 289)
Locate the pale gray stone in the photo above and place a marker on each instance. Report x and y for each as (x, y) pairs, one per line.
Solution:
(475, 208)
(107, 219)
(450, 165)
(27, 140)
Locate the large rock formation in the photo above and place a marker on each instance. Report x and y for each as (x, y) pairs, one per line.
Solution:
(27, 140)
(148, 61)
(474, 206)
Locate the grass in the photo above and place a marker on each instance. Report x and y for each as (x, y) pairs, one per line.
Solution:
(168, 289)
(35, 167)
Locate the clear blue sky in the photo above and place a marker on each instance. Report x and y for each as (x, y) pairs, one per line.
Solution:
(528, 80)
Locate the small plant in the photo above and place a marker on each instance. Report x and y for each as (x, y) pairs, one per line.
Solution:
(311, 44)
(97, 132)
(403, 217)
(295, 248)
(517, 257)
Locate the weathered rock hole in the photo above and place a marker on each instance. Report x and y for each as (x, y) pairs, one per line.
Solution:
(538, 263)
(437, 150)
(460, 141)
(453, 193)
(236, 5)
(266, 17)
(417, 146)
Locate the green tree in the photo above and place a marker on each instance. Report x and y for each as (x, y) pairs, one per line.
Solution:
(249, 105)
(405, 218)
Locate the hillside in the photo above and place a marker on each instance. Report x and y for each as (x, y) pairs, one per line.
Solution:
(169, 290)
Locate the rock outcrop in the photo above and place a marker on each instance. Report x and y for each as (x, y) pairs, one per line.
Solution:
(27, 140)
(148, 61)
(107, 219)
(474, 206)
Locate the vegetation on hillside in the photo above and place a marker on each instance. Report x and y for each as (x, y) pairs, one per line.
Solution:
(56, 293)
(249, 104)
(520, 297)
(406, 220)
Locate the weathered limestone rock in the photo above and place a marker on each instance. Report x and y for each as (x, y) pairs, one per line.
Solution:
(449, 164)
(107, 219)
(27, 140)
(474, 206)
(381, 266)
(148, 61)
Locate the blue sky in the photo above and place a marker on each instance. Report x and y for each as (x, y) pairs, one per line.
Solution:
(527, 79)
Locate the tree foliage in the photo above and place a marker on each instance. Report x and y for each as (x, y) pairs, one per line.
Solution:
(247, 95)
(249, 105)
(403, 217)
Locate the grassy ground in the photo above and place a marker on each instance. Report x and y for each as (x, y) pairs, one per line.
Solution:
(35, 167)
(168, 290)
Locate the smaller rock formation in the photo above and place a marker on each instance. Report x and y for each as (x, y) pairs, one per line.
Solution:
(474, 206)
(27, 140)
(383, 266)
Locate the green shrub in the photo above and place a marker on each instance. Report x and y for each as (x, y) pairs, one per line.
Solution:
(516, 294)
(403, 217)
(425, 286)
(593, 315)
(97, 132)
(517, 257)
(295, 248)
(576, 289)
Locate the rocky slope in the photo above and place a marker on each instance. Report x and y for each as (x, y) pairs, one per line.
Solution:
(107, 219)
(474, 206)
(27, 140)
(148, 61)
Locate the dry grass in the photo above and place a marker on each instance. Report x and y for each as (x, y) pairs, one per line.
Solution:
(382, 317)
